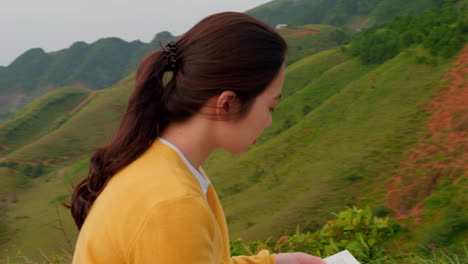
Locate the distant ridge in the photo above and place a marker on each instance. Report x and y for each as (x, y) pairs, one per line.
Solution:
(94, 66)
(353, 14)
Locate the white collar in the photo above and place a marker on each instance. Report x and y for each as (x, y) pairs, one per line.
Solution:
(203, 180)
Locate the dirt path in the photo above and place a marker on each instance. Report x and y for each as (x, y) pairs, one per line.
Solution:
(443, 150)
(91, 95)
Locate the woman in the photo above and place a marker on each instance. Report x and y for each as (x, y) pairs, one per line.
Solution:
(144, 200)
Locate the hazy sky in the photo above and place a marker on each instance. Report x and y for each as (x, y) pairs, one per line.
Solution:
(56, 24)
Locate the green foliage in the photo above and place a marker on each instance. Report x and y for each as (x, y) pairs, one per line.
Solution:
(341, 36)
(377, 47)
(380, 210)
(9, 164)
(441, 31)
(306, 109)
(453, 223)
(32, 171)
(444, 40)
(334, 12)
(354, 177)
(354, 229)
(448, 204)
(357, 230)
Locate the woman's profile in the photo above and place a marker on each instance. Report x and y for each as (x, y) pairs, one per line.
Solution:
(145, 199)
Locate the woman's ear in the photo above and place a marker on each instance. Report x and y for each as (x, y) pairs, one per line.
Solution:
(226, 105)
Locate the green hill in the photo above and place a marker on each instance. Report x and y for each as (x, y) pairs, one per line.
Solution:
(39, 118)
(353, 14)
(97, 120)
(331, 157)
(64, 143)
(106, 61)
(345, 133)
(306, 40)
(328, 158)
(94, 66)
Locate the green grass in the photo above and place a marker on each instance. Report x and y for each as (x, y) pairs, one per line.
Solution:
(357, 125)
(303, 173)
(306, 45)
(307, 70)
(317, 91)
(39, 118)
(97, 121)
(38, 214)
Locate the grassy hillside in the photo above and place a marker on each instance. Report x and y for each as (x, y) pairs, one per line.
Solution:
(65, 144)
(306, 40)
(353, 14)
(37, 214)
(354, 129)
(338, 134)
(94, 66)
(95, 123)
(336, 151)
(43, 116)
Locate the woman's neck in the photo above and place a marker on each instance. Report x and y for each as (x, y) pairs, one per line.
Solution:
(192, 138)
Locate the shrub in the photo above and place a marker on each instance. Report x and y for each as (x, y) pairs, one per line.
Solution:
(357, 230)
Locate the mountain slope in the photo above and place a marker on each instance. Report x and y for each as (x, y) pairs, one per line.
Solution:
(108, 104)
(104, 62)
(320, 164)
(338, 127)
(353, 14)
(97, 120)
(39, 118)
(94, 66)
(355, 129)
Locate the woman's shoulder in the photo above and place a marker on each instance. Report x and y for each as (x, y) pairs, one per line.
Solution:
(157, 180)
(155, 177)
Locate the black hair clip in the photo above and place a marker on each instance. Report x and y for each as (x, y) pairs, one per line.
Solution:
(170, 52)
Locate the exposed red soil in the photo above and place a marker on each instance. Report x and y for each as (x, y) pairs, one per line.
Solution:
(91, 95)
(442, 151)
(303, 32)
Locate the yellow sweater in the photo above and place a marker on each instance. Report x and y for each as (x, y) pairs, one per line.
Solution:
(154, 211)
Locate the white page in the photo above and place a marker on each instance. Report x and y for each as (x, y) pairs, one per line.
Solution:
(343, 257)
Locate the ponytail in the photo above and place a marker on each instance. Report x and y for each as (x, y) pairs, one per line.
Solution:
(140, 126)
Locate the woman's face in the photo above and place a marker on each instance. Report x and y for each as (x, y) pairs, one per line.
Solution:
(240, 134)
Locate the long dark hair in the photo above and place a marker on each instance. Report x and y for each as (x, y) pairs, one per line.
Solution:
(226, 51)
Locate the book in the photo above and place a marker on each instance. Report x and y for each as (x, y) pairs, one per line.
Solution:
(343, 257)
